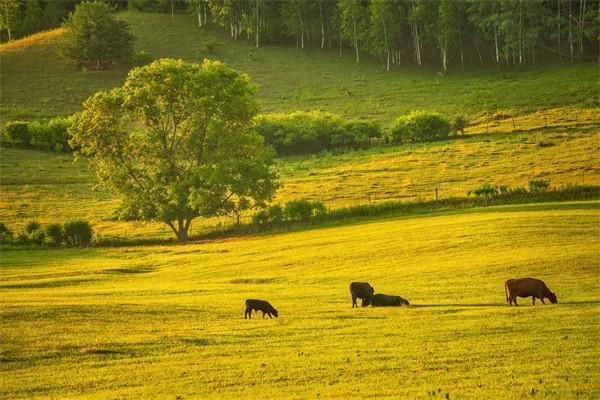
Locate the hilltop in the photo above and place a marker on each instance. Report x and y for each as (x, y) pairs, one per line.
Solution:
(36, 83)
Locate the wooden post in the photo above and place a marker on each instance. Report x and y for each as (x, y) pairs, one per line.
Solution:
(513, 121)
(436, 194)
(545, 121)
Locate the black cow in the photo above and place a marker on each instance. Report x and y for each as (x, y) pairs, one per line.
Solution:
(383, 300)
(259, 305)
(363, 291)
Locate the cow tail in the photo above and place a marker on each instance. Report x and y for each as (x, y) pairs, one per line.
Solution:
(506, 290)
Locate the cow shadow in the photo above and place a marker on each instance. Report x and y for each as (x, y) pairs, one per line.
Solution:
(455, 305)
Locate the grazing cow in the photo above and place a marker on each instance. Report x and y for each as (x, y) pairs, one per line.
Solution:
(259, 305)
(383, 300)
(527, 287)
(363, 291)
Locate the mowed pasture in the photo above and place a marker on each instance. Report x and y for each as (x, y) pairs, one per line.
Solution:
(167, 321)
(49, 187)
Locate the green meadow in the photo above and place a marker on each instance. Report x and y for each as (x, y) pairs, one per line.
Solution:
(167, 321)
(36, 83)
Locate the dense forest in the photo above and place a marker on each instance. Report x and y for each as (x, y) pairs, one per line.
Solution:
(446, 33)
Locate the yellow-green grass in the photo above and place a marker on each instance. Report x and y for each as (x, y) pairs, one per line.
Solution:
(167, 321)
(48, 187)
(36, 83)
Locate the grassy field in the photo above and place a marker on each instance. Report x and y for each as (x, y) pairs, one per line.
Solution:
(36, 83)
(167, 321)
(48, 187)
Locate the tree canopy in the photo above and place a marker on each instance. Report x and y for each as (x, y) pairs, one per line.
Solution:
(94, 37)
(175, 142)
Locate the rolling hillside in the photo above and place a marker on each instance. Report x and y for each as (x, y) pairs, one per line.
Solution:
(35, 83)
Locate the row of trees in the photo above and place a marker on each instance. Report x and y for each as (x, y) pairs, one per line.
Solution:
(506, 33)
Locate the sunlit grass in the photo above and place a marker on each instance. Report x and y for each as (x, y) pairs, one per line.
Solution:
(167, 321)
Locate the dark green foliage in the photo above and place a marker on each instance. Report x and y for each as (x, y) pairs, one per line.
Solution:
(95, 39)
(459, 124)
(77, 233)
(17, 132)
(539, 185)
(157, 6)
(141, 58)
(32, 226)
(211, 47)
(294, 211)
(420, 126)
(314, 132)
(54, 234)
(6, 234)
(49, 136)
(302, 210)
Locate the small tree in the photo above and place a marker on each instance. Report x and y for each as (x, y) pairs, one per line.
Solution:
(174, 142)
(95, 38)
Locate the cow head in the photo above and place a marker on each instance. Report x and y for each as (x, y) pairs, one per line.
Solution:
(366, 301)
(275, 313)
(552, 298)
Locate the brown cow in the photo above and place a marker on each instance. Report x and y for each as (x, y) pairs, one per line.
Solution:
(527, 287)
(363, 291)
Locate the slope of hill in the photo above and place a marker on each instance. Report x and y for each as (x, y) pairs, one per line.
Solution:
(35, 83)
(167, 322)
(48, 187)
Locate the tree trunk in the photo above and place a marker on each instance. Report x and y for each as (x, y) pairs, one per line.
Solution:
(558, 29)
(387, 47)
(581, 27)
(355, 39)
(571, 29)
(301, 30)
(322, 26)
(497, 47)
(257, 24)
(520, 35)
(172, 9)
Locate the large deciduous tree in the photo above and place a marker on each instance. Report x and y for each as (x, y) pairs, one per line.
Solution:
(94, 37)
(175, 142)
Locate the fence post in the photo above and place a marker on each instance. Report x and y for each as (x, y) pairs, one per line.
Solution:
(513, 121)
(436, 194)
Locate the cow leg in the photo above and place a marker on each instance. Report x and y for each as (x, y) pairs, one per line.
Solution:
(543, 302)
(354, 301)
(269, 314)
(533, 299)
(263, 314)
(515, 301)
(249, 312)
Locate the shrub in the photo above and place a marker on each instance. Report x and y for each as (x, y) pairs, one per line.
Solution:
(211, 47)
(54, 234)
(32, 226)
(52, 135)
(303, 210)
(35, 237)
(6, 234)
(313, 132)
(538, 185)
(77, 233)
(271, 216)
(420, 126)
(459, 124)
(18, 133)
(141, 58)
(485, 190)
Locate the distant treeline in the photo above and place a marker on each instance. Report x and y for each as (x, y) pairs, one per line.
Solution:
(448, 33)
(445, 33)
